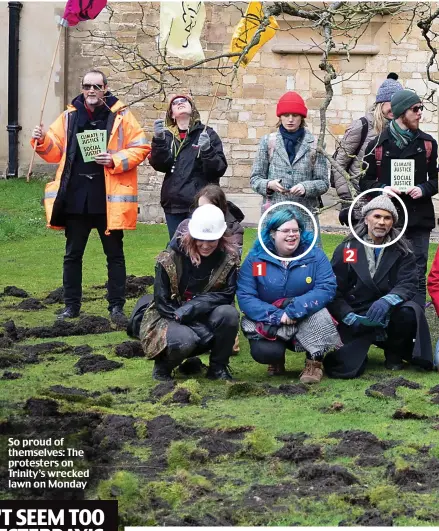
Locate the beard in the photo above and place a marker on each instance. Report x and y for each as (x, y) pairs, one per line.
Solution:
(408, 124)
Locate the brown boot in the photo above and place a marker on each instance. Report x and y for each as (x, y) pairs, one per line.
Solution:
(312, 373)
(277, 369)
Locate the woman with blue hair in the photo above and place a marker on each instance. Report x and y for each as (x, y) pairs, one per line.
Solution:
(286, 307)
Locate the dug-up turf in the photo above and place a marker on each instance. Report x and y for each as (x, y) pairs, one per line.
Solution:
(19, 355)
(91, 324)
(388, 387)
(357, 443)
(13, 291)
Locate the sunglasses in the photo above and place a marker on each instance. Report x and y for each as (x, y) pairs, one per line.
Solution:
(177, 101)
(87, 86)
(417, 108)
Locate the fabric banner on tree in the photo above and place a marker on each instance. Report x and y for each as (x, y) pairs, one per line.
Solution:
(78, 10)
(181, 24)
(246, 30)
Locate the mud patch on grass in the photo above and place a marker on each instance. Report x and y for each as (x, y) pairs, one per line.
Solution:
(55, 297)
(91, 324)
(370, 518)
(325, 478)
(434, 390)
(388, 387)
(53, 347)
(218, 444)
(136, 286)
(12, 332)
(130, 349)
(370, 461)
(7, 375)
(82, 350)
(286, 389)
(161, 390)
(30, 305)
(5, 342)
(13, 291)
(357, 442)
(72, 394)
(422, 479)
(96, 363)
(17, 356)
(405, 414)
(298, 452)
(118, 390)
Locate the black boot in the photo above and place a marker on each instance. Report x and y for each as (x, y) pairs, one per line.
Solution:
(393, 361)
(162, 371)
(118, 317)
(69, 312)
(219, 372)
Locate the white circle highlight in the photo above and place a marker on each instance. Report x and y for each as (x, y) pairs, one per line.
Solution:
(314, 222)
(400, 235)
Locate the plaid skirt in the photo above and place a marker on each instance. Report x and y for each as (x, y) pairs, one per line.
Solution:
(314, 334)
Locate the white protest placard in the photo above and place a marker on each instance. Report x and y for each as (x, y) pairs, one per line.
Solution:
(91, 143)
(402, 172)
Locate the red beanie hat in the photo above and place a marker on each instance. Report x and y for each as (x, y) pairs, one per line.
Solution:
(291, 103)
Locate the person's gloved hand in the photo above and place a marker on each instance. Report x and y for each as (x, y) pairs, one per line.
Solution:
(356, 327)
(378, 311)
(204, 141)
(343, 216)
(159, 129)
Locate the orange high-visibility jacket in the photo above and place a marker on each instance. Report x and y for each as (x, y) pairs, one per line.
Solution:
(127, 144)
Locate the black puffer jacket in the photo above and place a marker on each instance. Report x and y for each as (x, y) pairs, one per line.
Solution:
(190, 171)
(420, 211)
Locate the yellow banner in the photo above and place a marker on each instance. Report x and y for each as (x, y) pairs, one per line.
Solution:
(246, 30)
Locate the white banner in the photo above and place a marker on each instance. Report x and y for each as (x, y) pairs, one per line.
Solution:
(181, 24)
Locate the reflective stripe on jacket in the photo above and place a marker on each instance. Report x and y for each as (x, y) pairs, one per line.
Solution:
(127, 144)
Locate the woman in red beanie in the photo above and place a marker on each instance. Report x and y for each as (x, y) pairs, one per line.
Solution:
(287, 166)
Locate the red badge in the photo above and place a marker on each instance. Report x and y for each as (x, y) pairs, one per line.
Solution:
(259, 269)
(350, 256)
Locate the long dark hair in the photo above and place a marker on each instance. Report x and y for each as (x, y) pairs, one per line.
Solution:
(214, 194)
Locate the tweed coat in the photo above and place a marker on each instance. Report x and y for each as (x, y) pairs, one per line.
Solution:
(308, 168)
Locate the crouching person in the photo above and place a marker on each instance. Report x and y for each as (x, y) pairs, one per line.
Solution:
(374, 302)
(195, 284)
(285, 308)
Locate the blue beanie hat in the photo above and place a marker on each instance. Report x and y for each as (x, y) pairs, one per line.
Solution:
(388, 88)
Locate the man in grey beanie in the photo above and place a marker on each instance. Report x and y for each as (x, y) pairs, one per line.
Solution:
(403, 140)
(353, 145)
(374, 304)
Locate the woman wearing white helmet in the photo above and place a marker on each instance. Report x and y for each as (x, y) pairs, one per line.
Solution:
(195, 284)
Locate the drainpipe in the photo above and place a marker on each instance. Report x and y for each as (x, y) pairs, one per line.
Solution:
(13, 127)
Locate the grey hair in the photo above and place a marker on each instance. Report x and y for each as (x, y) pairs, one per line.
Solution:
(104, 77)
(361, 230)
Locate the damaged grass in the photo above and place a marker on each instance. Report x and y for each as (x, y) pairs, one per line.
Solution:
(265, 451)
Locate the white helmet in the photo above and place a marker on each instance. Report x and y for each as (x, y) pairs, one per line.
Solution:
(207, 223)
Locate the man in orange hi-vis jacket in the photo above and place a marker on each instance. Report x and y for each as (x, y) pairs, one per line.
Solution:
(93, 187)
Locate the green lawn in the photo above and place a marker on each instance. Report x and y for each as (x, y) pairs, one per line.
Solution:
(243, 485)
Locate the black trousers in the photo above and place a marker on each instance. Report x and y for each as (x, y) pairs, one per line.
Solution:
(271, 352)
(420, 240)
(174, 220)
(184, 343)
(78, 228)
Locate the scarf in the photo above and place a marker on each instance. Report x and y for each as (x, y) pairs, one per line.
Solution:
(402, 137)
(290, 141)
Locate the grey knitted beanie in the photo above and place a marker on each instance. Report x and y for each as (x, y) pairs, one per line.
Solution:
(388, 88)
(403, 100)
(383, 203)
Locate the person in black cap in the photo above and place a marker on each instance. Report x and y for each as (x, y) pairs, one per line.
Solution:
(374, 303)
(404, 140)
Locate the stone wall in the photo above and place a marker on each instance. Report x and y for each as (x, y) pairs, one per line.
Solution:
(285, 63)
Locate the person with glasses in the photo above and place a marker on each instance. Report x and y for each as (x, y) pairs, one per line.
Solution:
(189, 154)
(283, 295)
(403, 140)
(98, 190)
